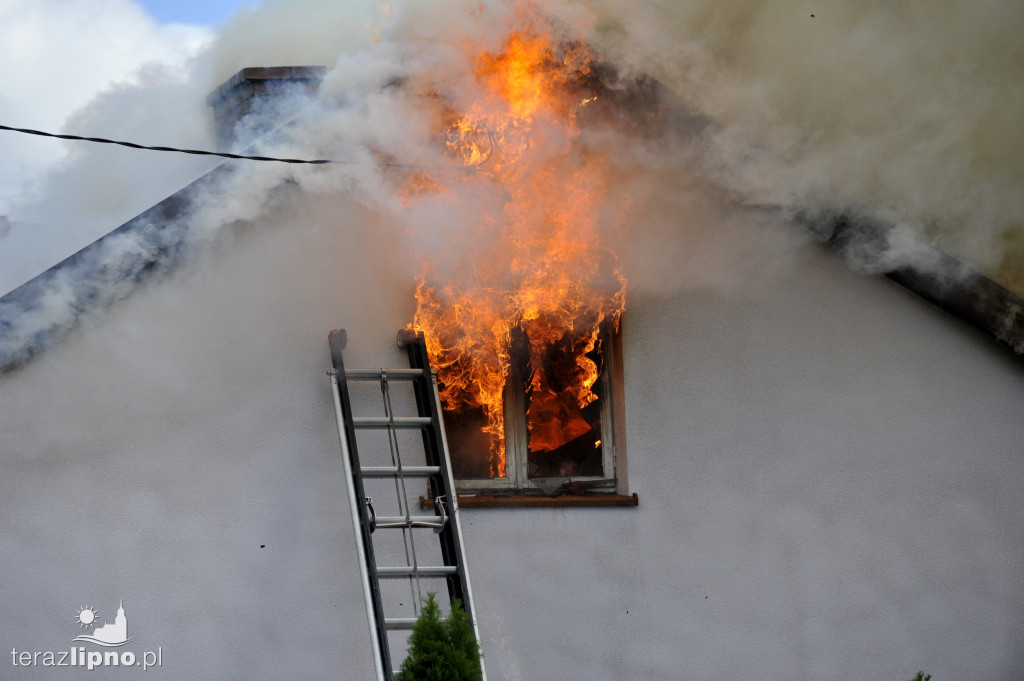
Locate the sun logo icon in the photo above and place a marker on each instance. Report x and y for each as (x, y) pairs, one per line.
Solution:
(86, 617)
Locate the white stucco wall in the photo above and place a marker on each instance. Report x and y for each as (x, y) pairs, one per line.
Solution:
(829, 474)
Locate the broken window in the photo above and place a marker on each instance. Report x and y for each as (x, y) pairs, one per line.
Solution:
(554, 440)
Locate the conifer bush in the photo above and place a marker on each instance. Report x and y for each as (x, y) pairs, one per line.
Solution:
(441, 649)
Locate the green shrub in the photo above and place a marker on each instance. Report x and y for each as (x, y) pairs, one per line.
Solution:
(921, 676)
(441, 649)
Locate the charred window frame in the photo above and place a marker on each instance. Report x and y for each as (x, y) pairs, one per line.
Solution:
(578, 471)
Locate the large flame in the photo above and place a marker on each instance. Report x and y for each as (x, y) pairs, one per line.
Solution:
(547, 279)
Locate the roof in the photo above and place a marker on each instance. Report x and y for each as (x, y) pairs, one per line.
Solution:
(47, 308)
(932, 274)
(41, 312)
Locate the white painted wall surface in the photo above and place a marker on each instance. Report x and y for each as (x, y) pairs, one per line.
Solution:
(829, 474)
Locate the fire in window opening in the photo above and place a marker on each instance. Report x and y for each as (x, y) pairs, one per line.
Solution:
(551, 434)
(521, 310)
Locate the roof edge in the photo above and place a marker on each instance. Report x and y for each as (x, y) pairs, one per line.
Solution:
(45, 309)
(944, 281)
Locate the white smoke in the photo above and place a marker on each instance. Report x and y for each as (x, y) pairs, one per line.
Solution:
(905, 111)
(59, 56)
(903, 114)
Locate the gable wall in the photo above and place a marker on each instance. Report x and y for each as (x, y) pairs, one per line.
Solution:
(828, 472)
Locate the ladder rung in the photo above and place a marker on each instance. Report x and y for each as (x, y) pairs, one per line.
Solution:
(386, 521)
(385, 422)
(393, 623)
(375, 374)
(409, 571)
(393, 471)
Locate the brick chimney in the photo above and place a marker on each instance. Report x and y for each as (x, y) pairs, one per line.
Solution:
(258, 97)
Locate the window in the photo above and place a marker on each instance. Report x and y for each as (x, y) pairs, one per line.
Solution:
(551, 446)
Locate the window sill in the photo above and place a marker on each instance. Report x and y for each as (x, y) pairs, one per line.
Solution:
(527, 501)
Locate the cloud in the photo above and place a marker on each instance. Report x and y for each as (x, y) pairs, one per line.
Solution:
(60, 54)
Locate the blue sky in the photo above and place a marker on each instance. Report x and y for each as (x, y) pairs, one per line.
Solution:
(68, 53)
(202, 12)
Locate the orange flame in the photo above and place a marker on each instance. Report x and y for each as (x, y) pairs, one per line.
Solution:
(547, 277)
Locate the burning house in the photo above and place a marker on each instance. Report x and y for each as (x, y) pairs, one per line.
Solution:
(823, 468)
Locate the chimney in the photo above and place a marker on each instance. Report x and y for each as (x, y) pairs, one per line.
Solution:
(255, 99)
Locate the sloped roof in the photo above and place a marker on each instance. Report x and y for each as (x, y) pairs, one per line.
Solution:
(934, 275)
(48, 307)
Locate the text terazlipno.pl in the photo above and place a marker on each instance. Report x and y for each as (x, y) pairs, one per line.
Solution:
(89, 659)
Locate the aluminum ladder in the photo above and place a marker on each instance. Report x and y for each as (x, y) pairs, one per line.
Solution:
(437, 473)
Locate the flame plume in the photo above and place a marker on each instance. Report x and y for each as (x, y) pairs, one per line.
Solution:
(547, 279)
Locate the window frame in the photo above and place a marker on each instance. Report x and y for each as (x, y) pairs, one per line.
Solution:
(517, 481)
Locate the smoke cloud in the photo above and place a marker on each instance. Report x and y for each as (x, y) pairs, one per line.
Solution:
(106, 45)
(902, 114)
(906, 112)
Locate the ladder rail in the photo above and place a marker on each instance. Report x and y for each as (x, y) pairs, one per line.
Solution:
(357, 504)
(470, 602)
(378, 661)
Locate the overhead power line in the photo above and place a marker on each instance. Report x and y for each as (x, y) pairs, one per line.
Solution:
(197, 152)
(243, 157)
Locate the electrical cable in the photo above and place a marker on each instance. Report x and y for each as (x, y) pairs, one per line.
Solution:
(199, 152)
